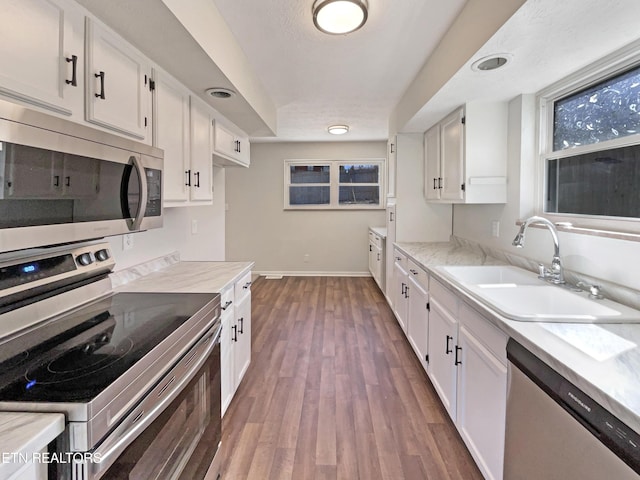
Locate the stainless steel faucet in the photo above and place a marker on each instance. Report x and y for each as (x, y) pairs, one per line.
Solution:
(555, 274)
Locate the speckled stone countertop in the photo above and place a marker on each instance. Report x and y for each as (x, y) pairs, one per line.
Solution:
(382, 231)
(187, 277)
(24, 433)
(603, 360)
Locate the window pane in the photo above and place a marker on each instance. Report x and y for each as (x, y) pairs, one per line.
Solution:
(598, 183)
(359, 195)
(359, 174)
(309, 173)
(606, 111)
(309, 195)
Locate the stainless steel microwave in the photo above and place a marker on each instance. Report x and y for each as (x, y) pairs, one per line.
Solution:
(63, 182)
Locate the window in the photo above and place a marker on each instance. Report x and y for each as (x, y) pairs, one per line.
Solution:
(591, 147)
(333, 184)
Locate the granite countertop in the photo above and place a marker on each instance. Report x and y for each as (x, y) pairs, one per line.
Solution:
(603, 360)
(24, 433)
(188, 277)
(381, 231)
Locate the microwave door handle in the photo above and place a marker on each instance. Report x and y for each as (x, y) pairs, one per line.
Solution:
(142, 183)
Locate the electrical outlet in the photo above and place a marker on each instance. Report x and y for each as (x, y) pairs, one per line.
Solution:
(127, 241)
(495, 228)
(194, 227)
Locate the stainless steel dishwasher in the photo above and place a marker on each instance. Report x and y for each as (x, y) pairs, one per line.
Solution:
(555, 431)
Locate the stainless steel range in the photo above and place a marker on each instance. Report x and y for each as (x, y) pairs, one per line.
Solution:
(136, 375)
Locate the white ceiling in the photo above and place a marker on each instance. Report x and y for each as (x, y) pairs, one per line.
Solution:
(317, 80)
(309, 80)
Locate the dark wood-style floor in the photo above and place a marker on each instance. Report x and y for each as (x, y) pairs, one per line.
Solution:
(334, 391)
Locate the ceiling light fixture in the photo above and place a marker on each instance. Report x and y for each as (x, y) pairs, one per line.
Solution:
(220, 92)
(491, 62)
(338, 17)
(338, 129)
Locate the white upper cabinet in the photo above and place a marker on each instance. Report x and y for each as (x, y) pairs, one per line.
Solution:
(465, 157)
(432, 163)
(42, 55)
(117, 79)
(183, 129)
(201, 149)
(229, 149)
(171, 134)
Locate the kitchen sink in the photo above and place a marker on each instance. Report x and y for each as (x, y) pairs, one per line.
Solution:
(492, 275)
(518, 294)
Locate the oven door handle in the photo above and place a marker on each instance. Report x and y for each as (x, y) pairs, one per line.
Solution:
(135, 423)
(142, 183)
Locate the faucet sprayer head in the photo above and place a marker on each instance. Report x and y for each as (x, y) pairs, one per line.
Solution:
(518, 241)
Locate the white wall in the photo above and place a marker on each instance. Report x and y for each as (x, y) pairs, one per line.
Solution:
(207, 244)
(616, 261)
(259, 229)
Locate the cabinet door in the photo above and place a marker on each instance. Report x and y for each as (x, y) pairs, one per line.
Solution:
(400, 295)
(452, 155)
(227, 351)
(432, 177)
(171, 133)
(388, 256)
(117, 83)
(201, 162)
(372, 249)
(418, 323)
(481, 409)
(244, 150)
(377, 264)
(242, 354)
(38, 36)
(224, 141)
(442, 350)
(392, 147)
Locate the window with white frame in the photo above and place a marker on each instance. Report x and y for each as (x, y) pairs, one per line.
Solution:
(591, 147)
(333, 184)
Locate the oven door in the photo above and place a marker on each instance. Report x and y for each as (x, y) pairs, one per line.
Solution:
(174, 433)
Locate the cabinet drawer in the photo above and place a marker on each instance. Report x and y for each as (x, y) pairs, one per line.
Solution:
(375, 239)
(226, 298)
(418, 274)
(443, 296)
(488, 334)
(243, 287)
(400, 258)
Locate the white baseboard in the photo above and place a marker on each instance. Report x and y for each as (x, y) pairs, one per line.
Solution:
(277, 275)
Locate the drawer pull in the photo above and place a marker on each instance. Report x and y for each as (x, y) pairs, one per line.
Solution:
(227, 304)
(457, 362)
(246, 285)
(415, 272)
(241, 322)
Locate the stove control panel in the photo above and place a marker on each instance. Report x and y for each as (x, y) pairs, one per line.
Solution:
(61, 264)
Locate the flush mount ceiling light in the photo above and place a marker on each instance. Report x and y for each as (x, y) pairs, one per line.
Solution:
(338, 17)
(220, 92)
(491, 62)
(338, 129)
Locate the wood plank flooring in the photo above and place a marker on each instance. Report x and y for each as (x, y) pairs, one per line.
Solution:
(334, 391)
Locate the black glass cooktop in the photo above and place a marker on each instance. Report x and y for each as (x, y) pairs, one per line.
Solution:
(73, 359)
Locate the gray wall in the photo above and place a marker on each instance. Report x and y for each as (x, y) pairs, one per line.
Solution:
(303, 242)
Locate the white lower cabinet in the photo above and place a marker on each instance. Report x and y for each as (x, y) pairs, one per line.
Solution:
(235, 342)
(468, 368)
(443, 336)
(376, 259)
(418, 317)
(400, 289)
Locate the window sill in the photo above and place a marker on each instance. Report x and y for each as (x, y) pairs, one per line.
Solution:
(595, 232)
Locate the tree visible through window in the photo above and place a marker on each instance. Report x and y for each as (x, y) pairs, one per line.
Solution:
(593, 159)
